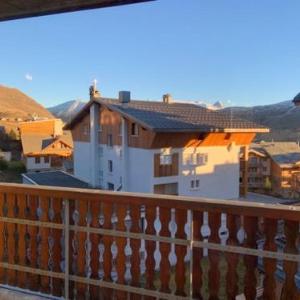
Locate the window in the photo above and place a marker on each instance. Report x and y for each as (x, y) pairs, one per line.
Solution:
(198, 159)
(253, 159)
(101, 177)
(110, 166)
(134, 129)
(195, 184)
(46, 159)
(109, 140)
(37, 160)
(86, 129)
(101, 151)
(110, 186)
(165, 159)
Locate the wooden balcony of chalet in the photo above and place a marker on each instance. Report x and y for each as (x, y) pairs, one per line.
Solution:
(90, 244)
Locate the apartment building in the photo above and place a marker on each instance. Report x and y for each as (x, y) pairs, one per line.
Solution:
(159, 147)
(258, 169)
(274, 167)
(45, 145)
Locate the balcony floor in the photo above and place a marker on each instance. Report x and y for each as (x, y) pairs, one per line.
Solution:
(6, 294)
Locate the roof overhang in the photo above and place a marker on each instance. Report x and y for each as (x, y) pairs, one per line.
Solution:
(16, 9)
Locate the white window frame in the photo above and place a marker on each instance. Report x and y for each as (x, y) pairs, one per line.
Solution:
(198, 159)
(195, 184)
(165, 159)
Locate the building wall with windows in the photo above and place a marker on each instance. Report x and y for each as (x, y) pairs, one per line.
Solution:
(38, 163)
(215, 174)
(131, 157)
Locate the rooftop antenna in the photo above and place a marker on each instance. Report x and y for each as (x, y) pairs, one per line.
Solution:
(95, 84)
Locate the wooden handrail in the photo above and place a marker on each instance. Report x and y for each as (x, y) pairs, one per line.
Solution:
(246, 208)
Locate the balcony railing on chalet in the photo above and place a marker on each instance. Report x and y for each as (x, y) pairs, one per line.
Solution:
(88, 244)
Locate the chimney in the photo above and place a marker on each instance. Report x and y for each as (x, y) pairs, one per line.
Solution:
(167, 98)
(124, 96)
(93, 90)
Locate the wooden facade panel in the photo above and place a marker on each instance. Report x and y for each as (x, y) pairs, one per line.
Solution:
(186, 140)
(166, 170)
(144, 139)
(166, 189)
(110, 124)
(81, 130)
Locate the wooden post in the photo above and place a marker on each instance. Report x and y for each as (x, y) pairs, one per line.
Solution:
(67, 223)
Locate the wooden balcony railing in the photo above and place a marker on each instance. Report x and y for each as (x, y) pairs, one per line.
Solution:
(89, 244)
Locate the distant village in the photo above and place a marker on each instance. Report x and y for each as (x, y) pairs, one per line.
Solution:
(185, 149)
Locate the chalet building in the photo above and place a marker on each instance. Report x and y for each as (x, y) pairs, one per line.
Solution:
(274, 167)
(159, 147)
(45, 145)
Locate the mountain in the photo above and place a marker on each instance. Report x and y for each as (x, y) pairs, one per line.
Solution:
(66, 111)
(15, 104)
(216, 106)
(282, 118)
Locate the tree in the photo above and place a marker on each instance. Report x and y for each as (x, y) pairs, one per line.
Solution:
(12, 135)
(268, 184)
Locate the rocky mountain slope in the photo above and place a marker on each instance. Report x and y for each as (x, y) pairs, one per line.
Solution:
(282, 118)
(66, 111)
(15, 104)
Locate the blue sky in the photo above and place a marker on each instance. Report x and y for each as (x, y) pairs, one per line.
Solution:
(239, 52)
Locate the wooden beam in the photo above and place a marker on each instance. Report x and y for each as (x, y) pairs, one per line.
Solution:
(16, 9)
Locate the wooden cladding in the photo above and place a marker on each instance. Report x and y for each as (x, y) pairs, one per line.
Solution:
(81, 131)
(169, 169)
(186, 140)
(166, 189)
(110, 124)
(110, 128)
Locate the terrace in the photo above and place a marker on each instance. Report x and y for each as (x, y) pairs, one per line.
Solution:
(91, 244)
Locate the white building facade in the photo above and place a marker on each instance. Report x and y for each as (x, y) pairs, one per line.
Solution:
(115, 150)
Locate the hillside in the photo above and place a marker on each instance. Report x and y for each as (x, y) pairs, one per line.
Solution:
(66, 111)
(282, 118)
(15, 104)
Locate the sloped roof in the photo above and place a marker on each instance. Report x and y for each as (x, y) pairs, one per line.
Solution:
(38, 144)
(285, 154)
(55, 178)
(173, 117)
